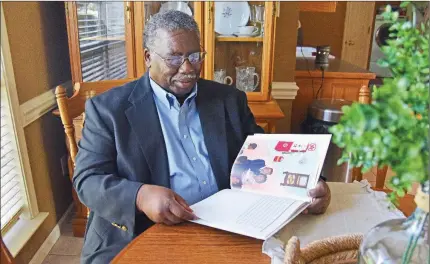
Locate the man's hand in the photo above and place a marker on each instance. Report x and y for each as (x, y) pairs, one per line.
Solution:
(162, 205)
(321, 199)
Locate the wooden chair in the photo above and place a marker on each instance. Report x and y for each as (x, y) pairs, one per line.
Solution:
(72, 113)
(73, 108)
(364, 98)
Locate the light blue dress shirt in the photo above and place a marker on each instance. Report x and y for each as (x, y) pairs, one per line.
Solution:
(191, 174)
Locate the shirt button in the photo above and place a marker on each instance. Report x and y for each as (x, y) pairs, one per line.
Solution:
(194, 158)
(185, 136)
(204, 182)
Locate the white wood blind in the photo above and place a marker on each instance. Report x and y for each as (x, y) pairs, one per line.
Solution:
(101, 28)
(12, 199)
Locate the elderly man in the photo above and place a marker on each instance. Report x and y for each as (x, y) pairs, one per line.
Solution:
(154, 146)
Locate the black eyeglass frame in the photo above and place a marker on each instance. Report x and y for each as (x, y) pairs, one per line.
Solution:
(183, 58)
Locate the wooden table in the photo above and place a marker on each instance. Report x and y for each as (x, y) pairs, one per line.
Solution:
(193, 243)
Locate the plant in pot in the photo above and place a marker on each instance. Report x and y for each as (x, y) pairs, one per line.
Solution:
(393, 131)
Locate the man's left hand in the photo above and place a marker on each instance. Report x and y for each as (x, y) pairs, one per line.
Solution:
(320, 199)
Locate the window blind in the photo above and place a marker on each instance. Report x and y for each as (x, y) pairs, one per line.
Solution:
(12, 199)
(101, 28)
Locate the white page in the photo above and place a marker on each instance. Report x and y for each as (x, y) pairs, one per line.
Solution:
(237, 211)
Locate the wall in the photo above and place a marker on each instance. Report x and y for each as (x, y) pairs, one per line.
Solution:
(285, 42)
(320, 28)
(285, 56)
(38, 42)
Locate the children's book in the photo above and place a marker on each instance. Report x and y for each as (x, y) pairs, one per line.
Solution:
(269, 181)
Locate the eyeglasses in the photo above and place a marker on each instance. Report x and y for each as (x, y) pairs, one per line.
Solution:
(176, 61)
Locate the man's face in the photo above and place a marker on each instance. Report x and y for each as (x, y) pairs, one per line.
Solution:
(266, 170)
(179, 80)
(260, 178)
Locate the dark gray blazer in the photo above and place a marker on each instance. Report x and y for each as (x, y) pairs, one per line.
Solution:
(122, 147)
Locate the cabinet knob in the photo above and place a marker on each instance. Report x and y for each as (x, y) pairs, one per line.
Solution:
(350, 43)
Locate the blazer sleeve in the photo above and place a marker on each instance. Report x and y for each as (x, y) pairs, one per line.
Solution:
(249, 125)
(95, 178)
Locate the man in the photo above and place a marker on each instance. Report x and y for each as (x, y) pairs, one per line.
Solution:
(249, 171)
(154, 146)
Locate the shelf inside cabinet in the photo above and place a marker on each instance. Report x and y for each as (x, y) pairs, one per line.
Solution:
(240, 39)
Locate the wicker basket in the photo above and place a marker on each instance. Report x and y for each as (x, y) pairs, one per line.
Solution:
(332, 250)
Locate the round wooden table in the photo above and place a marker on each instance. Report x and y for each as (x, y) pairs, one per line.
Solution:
(193, 243)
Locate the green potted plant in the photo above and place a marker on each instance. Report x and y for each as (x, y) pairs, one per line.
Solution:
(393, 131)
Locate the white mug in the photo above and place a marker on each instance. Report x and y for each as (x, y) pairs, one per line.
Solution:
(220, 76)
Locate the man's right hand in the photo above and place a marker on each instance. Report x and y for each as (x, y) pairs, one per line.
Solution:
(162, 205)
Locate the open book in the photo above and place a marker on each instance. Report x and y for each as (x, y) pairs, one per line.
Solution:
(269, 182)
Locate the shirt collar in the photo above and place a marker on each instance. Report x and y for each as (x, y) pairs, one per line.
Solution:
(169, 99)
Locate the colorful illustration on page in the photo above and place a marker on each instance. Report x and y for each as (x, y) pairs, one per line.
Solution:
(263, 162)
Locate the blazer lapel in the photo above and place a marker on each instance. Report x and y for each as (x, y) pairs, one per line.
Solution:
(212, 119)
(143, 118)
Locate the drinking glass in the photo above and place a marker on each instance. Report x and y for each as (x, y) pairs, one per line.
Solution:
(220, 76)
(257, 18)
(247, 79)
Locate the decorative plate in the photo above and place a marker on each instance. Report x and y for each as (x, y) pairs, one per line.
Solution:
(180, 6)
(230, 15)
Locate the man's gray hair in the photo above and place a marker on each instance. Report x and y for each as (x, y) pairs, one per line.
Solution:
(170, 21)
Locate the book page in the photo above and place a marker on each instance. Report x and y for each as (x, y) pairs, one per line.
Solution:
(246, 213)
(286, 165)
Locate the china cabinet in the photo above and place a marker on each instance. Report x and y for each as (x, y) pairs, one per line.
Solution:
(239, 38)
(106, 43)
(106, 40)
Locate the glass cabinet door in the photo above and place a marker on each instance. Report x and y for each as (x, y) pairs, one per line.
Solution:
(144, 10)
(100, 40)
(239, 42)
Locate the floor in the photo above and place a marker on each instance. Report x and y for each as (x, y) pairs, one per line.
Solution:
(68, 248)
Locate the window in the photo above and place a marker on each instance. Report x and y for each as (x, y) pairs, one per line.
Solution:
(12, 195)
(20, 216)
(101, 27)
